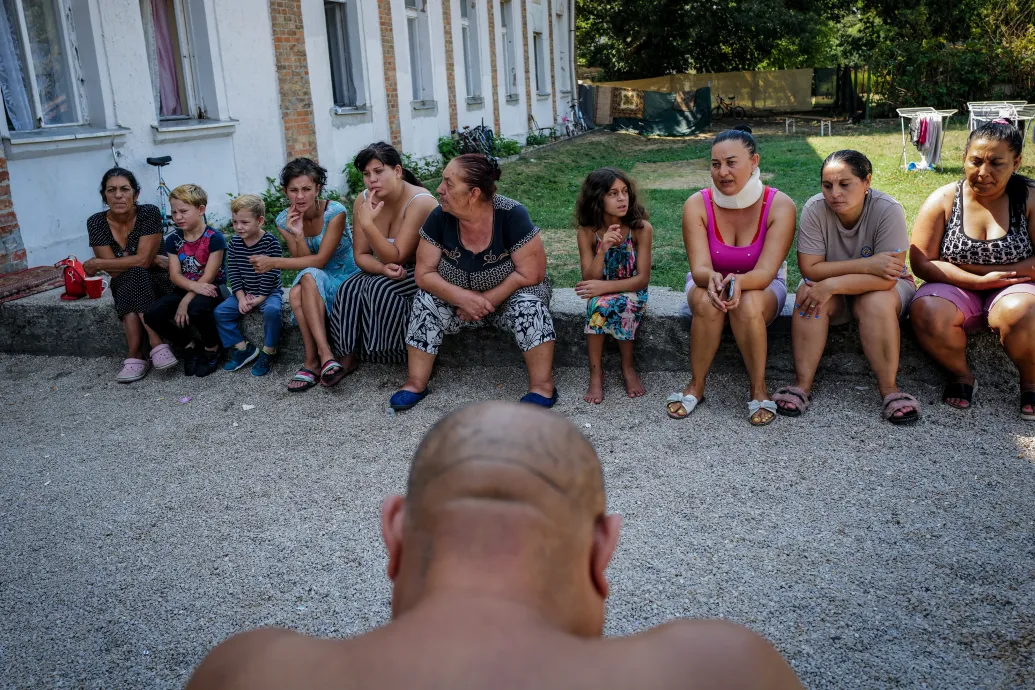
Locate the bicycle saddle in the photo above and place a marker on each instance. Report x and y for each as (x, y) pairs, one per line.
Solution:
(159, 161)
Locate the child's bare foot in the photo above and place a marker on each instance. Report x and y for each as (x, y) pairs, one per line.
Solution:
(595, 393)
(633, 386)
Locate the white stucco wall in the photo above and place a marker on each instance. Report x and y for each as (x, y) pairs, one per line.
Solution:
(513, 116)
(475, 114)
(340, 137)
(421, 128)
(55, 191)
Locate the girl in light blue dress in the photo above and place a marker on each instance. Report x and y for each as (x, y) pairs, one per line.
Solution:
(319, 239)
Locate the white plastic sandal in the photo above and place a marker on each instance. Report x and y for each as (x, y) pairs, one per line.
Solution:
(756, 405)
(689, 402)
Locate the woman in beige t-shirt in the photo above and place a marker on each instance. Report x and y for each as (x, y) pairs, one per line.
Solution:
(852, 245)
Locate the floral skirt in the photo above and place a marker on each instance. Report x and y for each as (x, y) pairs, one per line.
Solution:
(618, 314)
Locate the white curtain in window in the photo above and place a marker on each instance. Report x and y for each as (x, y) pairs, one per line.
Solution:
(165, 51)
(12, 71)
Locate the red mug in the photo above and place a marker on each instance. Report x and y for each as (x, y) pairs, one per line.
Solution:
(95, 287)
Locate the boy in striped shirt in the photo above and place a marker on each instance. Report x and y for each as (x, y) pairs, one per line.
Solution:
(250, 290)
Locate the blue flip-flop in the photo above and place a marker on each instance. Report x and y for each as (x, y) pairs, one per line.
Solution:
(541, 400)
(404, 400)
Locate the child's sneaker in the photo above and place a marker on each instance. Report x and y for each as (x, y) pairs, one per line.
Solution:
(207, 363)
(238, 358)
(190, 361)
(262, 364)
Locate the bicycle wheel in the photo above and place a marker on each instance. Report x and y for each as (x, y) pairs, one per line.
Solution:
(738, 112)
(718, 112)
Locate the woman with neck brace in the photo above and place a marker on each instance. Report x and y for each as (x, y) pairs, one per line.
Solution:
(736, 233)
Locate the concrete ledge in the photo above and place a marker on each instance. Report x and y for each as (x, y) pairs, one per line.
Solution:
(42, 324)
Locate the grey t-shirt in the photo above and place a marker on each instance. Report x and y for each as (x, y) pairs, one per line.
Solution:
(881, 228)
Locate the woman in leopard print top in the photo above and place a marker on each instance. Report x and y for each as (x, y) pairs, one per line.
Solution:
(972, 243)
(480, 261)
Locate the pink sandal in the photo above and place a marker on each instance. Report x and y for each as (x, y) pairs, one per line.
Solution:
(133, 370)
(162, 357)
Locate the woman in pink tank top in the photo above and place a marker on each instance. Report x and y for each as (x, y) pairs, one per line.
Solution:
(737, 233)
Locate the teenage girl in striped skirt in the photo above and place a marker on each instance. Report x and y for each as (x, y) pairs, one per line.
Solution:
(371, 310)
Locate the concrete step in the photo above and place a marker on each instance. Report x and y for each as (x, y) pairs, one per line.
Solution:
(42, 324)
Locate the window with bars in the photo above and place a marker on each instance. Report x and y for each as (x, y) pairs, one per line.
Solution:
(39, 74)
(344, 45)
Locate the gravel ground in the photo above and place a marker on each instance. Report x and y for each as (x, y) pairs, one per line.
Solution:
(139, 531)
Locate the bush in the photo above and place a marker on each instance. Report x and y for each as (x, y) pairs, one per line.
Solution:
(533, 139)
(424, 168)
(353, 180)
(447, 147)
(506, 147)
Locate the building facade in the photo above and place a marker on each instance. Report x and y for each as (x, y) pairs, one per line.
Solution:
(231, 90)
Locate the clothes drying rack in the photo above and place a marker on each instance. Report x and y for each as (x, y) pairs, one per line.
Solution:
(908, 114)
(1020, 113)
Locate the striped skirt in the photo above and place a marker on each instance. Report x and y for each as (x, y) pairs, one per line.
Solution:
(370, 315)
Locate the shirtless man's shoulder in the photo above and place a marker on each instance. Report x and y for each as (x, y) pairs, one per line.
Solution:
(677, 655)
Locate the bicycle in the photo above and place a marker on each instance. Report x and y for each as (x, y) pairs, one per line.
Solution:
(728, 108)
(478, 139)
(168, 225)
(574, 123)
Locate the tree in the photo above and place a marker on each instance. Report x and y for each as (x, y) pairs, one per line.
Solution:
(632, 39)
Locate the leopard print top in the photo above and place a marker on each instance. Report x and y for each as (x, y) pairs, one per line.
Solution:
(1014, 246)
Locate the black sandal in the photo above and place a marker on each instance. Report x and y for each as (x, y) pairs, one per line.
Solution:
(959, 391)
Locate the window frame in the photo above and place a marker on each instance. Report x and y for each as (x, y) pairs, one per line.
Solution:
(539, 64)
(66, 26)
(192, 90)
(509, 57)
(352, 45)
(472, 51)
(561, 38)
(418, 34)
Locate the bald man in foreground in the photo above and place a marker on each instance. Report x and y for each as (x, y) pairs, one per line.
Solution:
(497, 557)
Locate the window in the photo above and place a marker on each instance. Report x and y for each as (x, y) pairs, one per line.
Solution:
(509, 70)
(472, 57)
(38, 72)
(343, 43)
(167, 31)
(541, 83)
(561, 37)
(420, 49)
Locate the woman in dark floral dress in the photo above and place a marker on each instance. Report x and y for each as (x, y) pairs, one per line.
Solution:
(480, 261)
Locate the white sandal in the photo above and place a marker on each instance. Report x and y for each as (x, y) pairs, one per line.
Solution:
(688, 402)
(756, 405)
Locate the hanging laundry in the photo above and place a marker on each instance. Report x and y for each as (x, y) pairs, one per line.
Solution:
(933, 148)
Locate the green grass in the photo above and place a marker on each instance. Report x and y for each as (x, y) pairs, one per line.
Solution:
(547, 182)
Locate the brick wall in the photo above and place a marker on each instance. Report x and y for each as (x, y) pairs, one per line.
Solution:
(528, 67)
(296, 100)
(550, 23)
(491, 13)
(447, 23)
(384, 13)
(12, 251)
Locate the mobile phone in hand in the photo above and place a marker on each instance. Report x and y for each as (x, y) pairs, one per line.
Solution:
(729, 289)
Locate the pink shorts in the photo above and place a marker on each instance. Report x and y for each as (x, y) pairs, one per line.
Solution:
(975, 304)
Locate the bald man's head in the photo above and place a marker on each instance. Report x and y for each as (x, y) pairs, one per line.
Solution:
(512, 491)
(482, 451)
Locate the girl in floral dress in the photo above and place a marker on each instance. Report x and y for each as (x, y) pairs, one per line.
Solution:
(614, 248)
